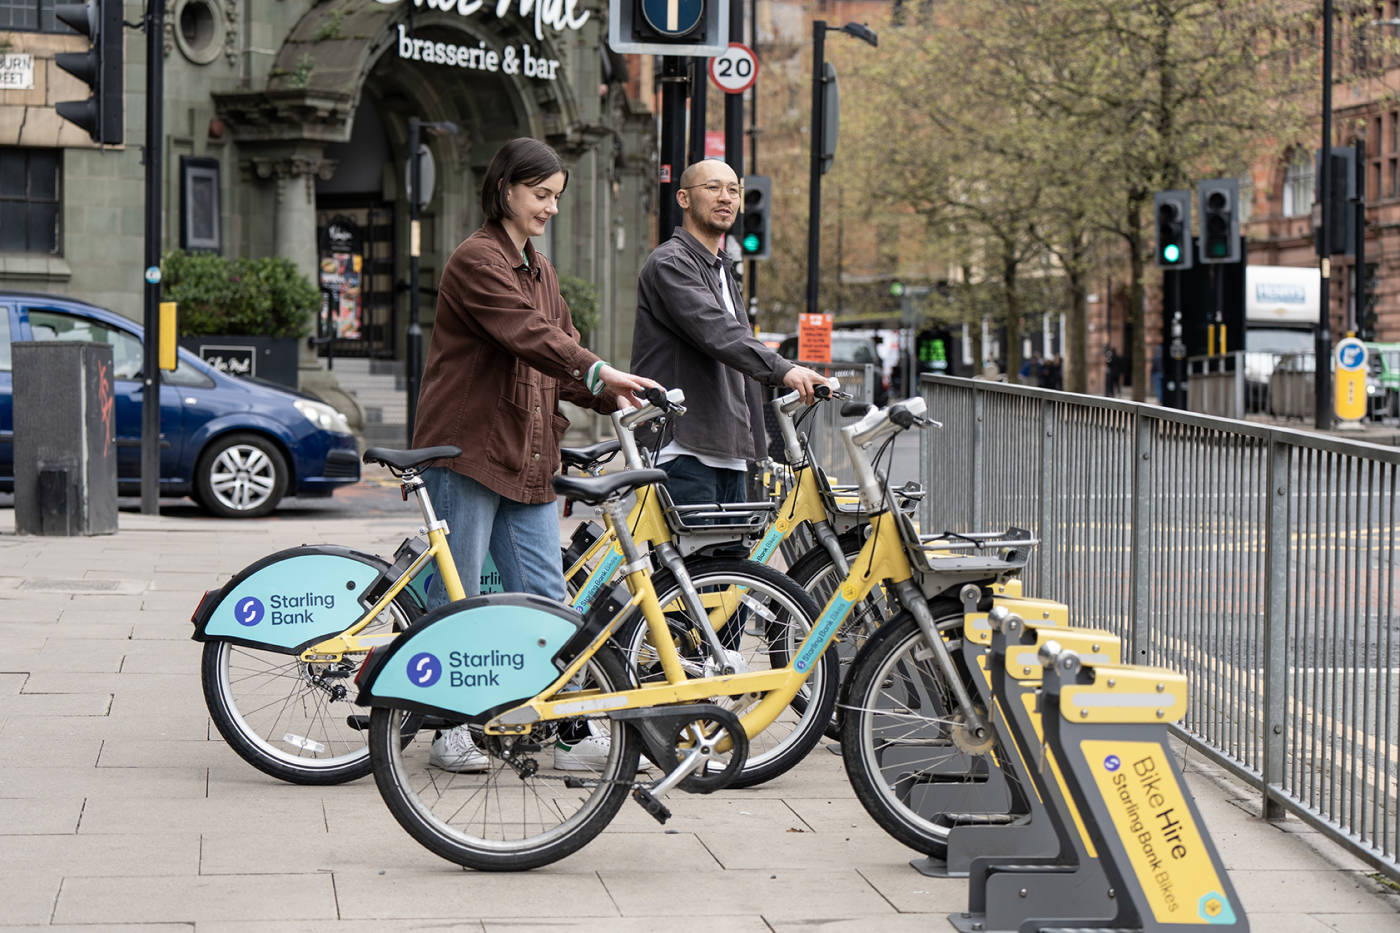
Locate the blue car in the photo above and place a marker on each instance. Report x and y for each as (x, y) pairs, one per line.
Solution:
(234, 446)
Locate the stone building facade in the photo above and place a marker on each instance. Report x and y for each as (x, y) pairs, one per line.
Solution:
(287, 134)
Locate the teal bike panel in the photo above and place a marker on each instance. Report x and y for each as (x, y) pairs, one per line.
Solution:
(291, 600)
(469, 658)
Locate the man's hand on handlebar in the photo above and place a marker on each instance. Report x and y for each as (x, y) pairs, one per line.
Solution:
(627, 385)
(805, 381)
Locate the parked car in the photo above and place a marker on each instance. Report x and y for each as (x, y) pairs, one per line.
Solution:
(849, 348)
(233, 445)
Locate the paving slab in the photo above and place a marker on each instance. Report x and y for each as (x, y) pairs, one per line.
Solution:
(121, 805)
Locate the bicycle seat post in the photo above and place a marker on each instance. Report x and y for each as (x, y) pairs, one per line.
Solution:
(412, 482)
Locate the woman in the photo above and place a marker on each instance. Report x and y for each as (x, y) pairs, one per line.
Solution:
(504, 351)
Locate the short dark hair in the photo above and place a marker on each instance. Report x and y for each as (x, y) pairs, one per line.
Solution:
(520, 161)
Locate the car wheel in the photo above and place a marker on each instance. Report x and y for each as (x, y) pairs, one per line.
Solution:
(240, 476)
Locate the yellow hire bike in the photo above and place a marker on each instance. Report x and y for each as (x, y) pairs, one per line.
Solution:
(517, 669)
(283, 638)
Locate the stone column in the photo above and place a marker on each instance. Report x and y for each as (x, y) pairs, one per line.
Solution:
(294, 237)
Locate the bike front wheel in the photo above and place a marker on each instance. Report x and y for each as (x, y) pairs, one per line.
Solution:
(910, 762)
(763, 617)
(289, 719)
(525, 806)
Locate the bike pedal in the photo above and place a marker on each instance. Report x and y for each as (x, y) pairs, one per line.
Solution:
(650, 804)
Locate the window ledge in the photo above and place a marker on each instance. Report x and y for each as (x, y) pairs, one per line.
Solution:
(33, 267)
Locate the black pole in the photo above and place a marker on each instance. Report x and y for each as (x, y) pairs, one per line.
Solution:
(1358, 297)
(413, 356)
(752, 276)
(734, 103)
(699, 94)
(673, 79)
(155, 131)
(814, 196)
(1322, 380)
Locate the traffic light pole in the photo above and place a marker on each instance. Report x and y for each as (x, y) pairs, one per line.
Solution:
(752, 276)
(155, 130)
(673, 92)
(1358, 299)
(814, 187)
(1322, 381)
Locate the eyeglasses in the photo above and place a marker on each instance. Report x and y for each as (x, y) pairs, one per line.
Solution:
(714, 187)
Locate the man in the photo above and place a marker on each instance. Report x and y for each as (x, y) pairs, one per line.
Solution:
(692, 334)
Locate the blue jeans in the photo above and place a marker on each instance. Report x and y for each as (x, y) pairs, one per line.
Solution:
(522, 539)
(690, 482)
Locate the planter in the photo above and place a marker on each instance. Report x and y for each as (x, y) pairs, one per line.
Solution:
(270, 358)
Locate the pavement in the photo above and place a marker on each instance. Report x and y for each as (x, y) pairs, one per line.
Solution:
(120, 806)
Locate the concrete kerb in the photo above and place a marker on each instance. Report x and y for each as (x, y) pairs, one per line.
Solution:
(120, 804)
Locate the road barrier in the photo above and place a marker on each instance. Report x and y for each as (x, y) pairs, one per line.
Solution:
(1261, 561)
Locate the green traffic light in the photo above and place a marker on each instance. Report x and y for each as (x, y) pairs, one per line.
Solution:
(1171, 252)
(751, 243)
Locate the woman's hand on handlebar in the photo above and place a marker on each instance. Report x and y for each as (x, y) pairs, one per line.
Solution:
(805, 381)
(628, 385)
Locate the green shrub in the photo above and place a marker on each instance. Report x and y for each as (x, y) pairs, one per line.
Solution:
(581, 296)
(239, 297)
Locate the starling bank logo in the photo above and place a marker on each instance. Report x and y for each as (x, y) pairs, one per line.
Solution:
(424, 669)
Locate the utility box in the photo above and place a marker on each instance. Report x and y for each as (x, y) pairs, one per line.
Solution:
(65, 438)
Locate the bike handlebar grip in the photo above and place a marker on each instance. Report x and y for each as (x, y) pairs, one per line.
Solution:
(822, 392)
(855, 409)
(655, 396)
(902, 417)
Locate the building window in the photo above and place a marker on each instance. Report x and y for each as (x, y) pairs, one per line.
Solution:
(200, 216)
(29, 200)
(1298, 186)
(30, 16)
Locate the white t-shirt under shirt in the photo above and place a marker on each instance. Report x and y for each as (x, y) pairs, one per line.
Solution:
(673, 450)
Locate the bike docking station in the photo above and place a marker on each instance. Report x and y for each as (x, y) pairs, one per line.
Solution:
(1085, 742)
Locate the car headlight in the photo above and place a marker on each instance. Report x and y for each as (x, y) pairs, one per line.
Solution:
(323, 416)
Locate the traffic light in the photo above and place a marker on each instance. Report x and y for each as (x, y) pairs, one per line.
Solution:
(1220, 220)
(1173, 212)
(669, 27)
(758, 191)
(100, 67)
(1341, 236)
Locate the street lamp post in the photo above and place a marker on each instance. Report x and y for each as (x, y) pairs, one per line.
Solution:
(413, 351)
(814, 194)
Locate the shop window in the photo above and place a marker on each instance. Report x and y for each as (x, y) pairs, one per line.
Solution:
(1298, 185)
(29, 200)
(200, 215)
(30, 16)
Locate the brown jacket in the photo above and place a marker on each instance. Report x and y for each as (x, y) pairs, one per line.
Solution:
(504, 351)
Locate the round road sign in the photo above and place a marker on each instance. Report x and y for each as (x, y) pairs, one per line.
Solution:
(673, 18)
(1351, 355)
(735, 71)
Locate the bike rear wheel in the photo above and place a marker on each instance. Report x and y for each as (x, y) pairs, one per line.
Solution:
(901, 738)
(507, 817)
(772, 617)
(294, 721)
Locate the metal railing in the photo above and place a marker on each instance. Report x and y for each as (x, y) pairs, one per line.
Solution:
(1259, 561)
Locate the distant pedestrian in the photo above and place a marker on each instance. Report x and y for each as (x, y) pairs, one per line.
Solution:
(1113, 370)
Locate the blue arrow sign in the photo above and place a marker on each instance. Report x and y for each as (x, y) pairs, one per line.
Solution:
(1351, 354)
(673, 17)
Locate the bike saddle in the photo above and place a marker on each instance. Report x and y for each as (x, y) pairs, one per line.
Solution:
(585, 458)
(409, 459)
(593, 490)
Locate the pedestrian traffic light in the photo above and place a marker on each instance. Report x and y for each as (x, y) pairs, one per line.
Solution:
(669, 27)
(1173, 212)
(758, 190)
(1220, 220)
(100, 67)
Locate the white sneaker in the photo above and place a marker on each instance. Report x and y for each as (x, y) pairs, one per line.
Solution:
(587, 754)
(454, 750)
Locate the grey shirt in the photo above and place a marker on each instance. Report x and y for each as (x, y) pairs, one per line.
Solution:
(685, 338)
